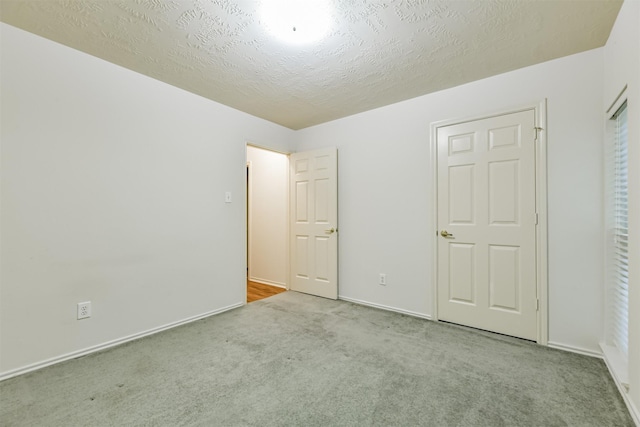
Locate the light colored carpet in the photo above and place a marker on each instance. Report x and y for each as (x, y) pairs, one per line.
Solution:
(298, 360)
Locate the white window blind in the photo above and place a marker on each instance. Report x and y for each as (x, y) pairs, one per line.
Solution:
(618, 235)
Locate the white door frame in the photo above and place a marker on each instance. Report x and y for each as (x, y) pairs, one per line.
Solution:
(247, 213)
(540, 111)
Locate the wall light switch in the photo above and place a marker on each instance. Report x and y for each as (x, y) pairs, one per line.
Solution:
(227, 197)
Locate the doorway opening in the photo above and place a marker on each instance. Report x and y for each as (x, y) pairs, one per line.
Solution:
(267, 199)
(292, 220)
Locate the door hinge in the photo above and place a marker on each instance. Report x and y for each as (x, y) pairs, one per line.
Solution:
(536, 218)
(537, 305)
(537, 129)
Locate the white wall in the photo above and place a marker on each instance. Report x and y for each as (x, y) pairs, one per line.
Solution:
(113, 191)
(268, 218)
(622, 67)
(385, 184)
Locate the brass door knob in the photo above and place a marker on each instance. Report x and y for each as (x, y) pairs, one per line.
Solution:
(445, 233)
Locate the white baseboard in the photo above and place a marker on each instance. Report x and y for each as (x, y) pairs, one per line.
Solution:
(73, 355)
(619, 373)
(268, 282)
(617, 364)
(572, 349)
(385, 307)
(633, 410)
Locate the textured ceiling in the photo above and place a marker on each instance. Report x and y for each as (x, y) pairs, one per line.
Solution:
(377, 52)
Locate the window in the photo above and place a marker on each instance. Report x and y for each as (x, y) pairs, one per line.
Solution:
(617, 310)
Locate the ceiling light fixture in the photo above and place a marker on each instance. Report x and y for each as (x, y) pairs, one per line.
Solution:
(297, 21)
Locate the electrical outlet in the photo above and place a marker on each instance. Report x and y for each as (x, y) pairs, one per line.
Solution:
(84, 310)
(383, 279)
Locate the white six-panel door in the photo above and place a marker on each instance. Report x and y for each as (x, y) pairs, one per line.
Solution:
(486, 224)
(314, 222)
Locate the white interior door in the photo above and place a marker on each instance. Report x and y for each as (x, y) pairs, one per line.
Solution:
(314, 222)
(486, 224)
